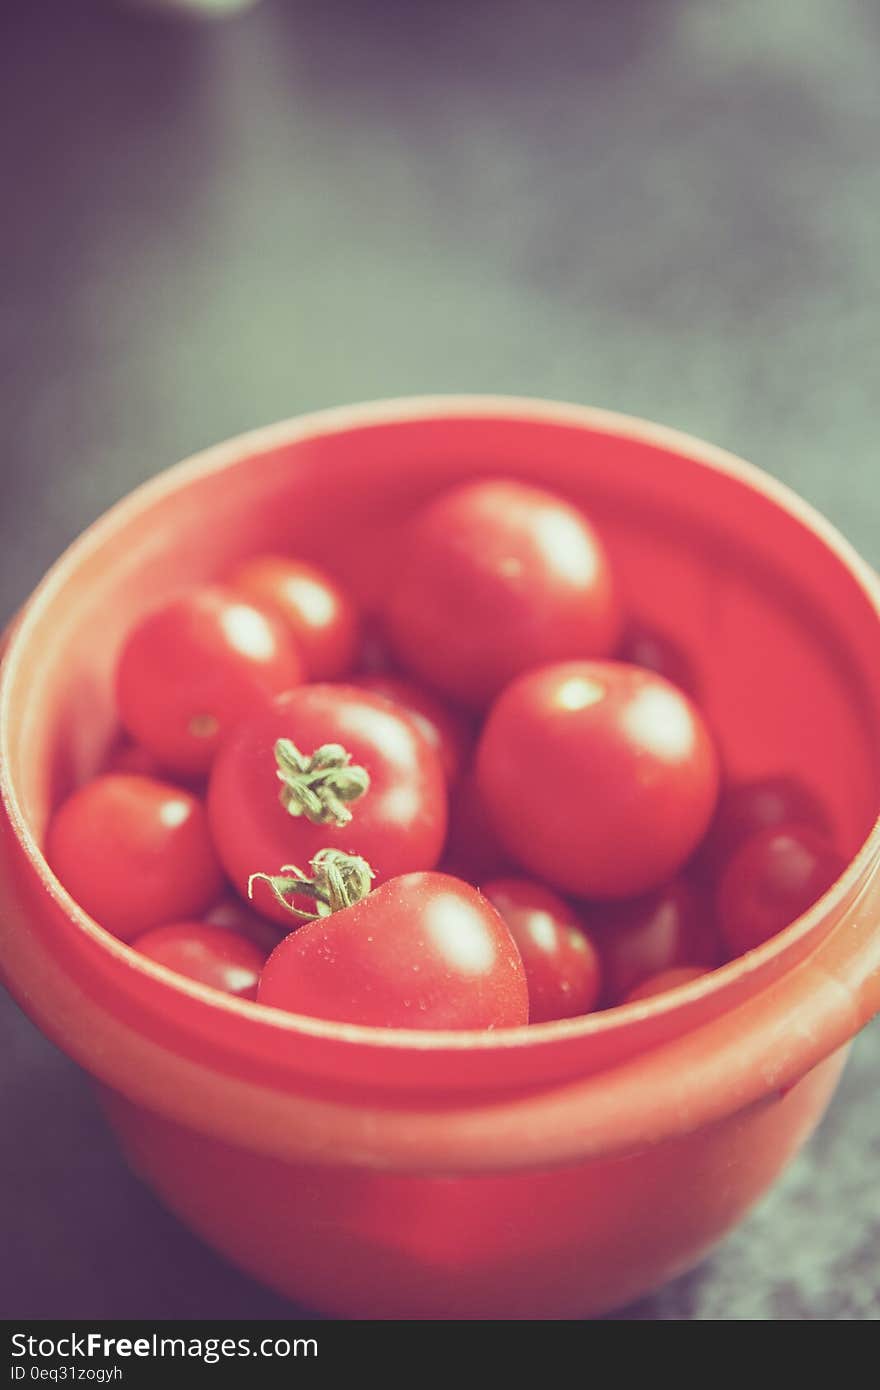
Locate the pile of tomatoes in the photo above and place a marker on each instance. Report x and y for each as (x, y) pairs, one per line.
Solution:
(495, 803)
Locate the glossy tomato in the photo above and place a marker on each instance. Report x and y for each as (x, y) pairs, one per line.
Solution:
(560, 961)
(599, 777)
(445, 729)
(665, 981)
(497, 577)
(646, 646)
(646, 936)
(134, 853)
(233, 913)
(214, 956)
(770, 881)
(422, 951)
(317, 610)
(764, 803)
(398, 824)
(194, 667)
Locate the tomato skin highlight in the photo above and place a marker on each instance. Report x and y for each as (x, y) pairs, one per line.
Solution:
(600, 778)
(770, 881)
(398, 826)
(423, 950)
(445, 729)
(670, 928)
(665, 981)
(319, 614)
(194, 667)
(134, 853)
(561, 963)
(215, 956)
(496, 577)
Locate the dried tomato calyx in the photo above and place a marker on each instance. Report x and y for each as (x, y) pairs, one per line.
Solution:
(337, 881)
(319, 787)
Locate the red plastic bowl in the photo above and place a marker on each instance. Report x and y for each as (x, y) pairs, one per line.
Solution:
(555, 1171)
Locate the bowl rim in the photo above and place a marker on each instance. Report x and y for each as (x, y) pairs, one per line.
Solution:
(388, 412)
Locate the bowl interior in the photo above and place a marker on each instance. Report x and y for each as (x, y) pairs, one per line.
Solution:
(778, 616)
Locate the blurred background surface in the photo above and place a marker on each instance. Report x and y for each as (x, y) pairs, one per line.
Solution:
(667, 207)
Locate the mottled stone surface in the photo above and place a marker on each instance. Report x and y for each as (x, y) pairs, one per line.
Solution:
(666, 207)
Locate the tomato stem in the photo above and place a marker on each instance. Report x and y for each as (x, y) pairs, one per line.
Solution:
(319, 787)
(338, 881)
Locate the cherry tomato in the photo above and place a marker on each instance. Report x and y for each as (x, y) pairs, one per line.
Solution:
(770, 881)
(560, 961)
(421, 951)
(398, 825)
(232, 914)
(317, 610)
(651, 935)
(214, 956)
(646, 646)
(599, 777)
(473, 851)
(446, 731)
(134, 853)
(666, 980)
(193, 668)
(496, 577)
(762, 804)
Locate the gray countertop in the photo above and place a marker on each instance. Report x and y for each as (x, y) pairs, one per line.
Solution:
(668, 208)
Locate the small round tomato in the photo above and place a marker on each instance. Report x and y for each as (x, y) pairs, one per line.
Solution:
(560, 961)
(446, 730)
(473, 851)
(599, 777)
(315, 607)
(260, 805)
(214, 956)
(765, 803)
(770, 881)
(649, 936)
(666, 980)
(233, 914)
(421, 951)
(648, 647)
(496, 577)
(134, 853)
(194, 667)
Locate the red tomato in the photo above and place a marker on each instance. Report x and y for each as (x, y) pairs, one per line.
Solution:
(134, 853)
(770, 881)
(643, 645)
(762, 804)
(446, 730)
(398, 825)
(231, 914)
(319, 613)
(193, 668)
(600, 778)
(666, 980)
(473, 851)
(496, 577)
(214, 956)
(421, 951)
(560, 961)
(648, 936)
